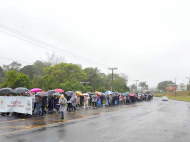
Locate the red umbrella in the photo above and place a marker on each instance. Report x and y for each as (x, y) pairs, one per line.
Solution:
(35, 90)
(131, 95)
(59, 90)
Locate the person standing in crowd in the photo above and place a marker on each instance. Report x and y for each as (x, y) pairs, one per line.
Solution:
(38, 102)
(73, 101)
(94, 101)
(44, 104)
(51, 103)
(62, 102)
(56, 103)
(86, 101)
(78, 100)
(81, 100)
(110, 99)
(106, 100)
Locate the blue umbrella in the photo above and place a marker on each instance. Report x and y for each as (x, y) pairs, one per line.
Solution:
(108, 92)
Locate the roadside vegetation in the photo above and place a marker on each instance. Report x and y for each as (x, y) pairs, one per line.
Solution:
(181, 96)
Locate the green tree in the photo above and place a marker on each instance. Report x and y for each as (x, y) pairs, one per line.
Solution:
(38, 67)
(15, 79)
(133, 87)
(64, 72)
(188, 87)
(95, 78)
(12, 66)
(163, 85)
(28, 70)
(143, 85)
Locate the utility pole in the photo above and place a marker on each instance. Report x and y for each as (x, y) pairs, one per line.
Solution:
(175, 87)
(112, 77)
(136, 84)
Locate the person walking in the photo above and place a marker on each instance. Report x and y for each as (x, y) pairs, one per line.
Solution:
(73, 101)
(62, 102)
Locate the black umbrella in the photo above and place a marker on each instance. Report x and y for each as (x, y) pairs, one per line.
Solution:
(20, 90)
(51, 92)
(41, 94)
(94, 96)
(6, 91)
(69, 93)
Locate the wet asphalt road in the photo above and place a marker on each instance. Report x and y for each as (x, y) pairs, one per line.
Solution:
(154, 121)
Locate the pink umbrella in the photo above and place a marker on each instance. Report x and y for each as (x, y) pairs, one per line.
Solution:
(36, 90)
(131, 95)
(59, 90)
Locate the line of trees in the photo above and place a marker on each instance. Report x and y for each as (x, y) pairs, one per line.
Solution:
(50, 75)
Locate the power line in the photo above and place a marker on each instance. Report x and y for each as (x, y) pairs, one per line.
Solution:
(14, 60)
(46, 44)
(53, 50)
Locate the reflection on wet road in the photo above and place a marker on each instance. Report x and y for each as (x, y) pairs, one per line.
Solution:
(148, 121)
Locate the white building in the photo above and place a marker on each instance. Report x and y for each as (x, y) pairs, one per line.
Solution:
(181, 87)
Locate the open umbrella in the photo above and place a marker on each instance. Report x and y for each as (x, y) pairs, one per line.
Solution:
(94, 96)
(51, 92)
(6, 91)
(59, 90)
(131, 95)
(35, 90)
(98, 93)
(79, 93)
(41, 94)
(69, 93)
(20, 90)
(56, 94)
(108, 92)
(125, 94)
(85, 94)
(90, 93)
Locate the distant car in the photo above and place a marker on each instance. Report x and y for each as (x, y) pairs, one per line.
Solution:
(164, 98)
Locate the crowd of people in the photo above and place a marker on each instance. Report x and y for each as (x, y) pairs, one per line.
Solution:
(60, 102)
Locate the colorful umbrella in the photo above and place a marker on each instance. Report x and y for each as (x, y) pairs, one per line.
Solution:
(35, 90)
(108, 92)
(59, 90)
(79, 93)
(98, 93)
(131, 95)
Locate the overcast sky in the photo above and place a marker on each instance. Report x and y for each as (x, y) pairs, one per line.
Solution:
(149, 40)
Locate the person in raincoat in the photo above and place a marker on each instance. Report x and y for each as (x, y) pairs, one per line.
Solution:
(86, 101)
(62, 102)
(78, 100)
(107, 100)
(94, 101)
(73, 101)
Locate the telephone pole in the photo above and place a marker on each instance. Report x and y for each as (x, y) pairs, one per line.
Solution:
(136, 84)
(175, 87)
(112, 76)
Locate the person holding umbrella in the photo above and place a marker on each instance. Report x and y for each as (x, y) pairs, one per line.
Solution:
(62, 102)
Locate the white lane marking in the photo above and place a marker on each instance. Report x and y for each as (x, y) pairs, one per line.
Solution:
(102, 127)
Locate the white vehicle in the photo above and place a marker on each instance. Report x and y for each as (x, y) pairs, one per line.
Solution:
(164, 98)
